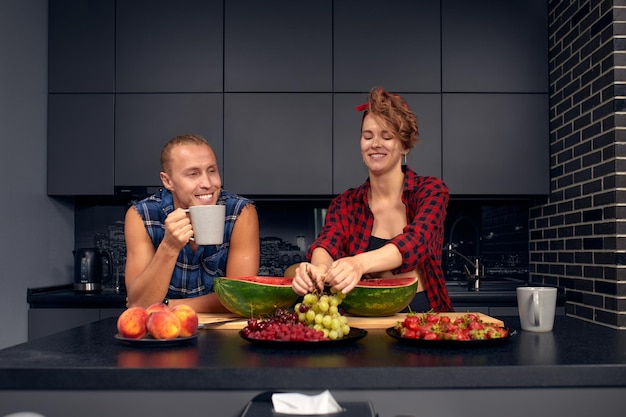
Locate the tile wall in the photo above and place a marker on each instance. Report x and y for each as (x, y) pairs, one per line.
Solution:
(495, 231)
(577, 232)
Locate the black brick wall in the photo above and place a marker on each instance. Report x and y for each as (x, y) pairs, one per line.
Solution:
(577, 235)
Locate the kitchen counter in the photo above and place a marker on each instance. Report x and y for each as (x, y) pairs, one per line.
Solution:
(64, 296)
(577, 359)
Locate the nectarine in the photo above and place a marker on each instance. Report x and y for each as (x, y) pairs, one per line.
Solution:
(157, 307)
(188, 319)
(163, 325)
(132, 322)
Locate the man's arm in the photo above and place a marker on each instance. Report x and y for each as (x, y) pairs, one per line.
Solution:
(148, 271)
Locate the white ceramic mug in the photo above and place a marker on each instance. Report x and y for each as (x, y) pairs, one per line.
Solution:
(536, 306)
(208, 224)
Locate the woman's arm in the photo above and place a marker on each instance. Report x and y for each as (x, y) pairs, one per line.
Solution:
(244, 253)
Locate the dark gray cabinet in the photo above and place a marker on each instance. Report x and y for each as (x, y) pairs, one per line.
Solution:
(46, 321)
(81, 46)
(395, 45)
(348, 168)
(144, 122)
(273, 86)
(496, 143)
(278, 46)
(165, 46)
(494, 46)
(80, 144)
(278, 143)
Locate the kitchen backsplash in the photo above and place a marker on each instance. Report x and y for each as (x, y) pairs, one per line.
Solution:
(494, 231)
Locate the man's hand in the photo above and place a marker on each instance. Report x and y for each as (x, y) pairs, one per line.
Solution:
(178, 229)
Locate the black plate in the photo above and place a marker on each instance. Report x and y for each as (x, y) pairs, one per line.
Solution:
(354, 335)
(391, 331)
(150, 341)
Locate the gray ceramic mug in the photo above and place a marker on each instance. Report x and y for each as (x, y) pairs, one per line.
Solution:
(208, 224)
(536, 306)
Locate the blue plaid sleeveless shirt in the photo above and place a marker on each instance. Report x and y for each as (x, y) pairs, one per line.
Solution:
(194, 272)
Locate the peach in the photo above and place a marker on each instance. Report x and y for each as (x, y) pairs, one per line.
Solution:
(132, 322)
(157, 307)
(163, 325)
(188, 319)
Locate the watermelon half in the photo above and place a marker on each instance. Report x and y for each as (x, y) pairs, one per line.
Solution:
(255, 296)
(380, 297)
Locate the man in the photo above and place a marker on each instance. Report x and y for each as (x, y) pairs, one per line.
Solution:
(162, 263)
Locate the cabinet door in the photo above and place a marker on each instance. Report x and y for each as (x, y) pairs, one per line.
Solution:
(278, 46)
(80, 144)
(145, 122)
(81, 46)
(496, 143)
(495, 46)
(46, 321)
(348, 168)
(165, 46)
(278, 144)
(395, 45)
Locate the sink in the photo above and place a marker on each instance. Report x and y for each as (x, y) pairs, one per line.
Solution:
(486, 285)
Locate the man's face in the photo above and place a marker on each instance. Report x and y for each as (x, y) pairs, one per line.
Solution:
(192, 176)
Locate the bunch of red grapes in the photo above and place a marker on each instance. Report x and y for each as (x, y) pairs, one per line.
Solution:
(284, 325)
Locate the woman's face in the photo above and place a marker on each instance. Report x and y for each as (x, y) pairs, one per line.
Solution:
(381, 148)
(192, 176)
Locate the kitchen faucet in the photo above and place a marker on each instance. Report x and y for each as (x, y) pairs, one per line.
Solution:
(473, 279)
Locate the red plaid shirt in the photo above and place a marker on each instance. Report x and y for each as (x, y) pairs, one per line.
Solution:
(349, 221)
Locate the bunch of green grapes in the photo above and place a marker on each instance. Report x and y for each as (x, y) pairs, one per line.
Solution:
(321, 311)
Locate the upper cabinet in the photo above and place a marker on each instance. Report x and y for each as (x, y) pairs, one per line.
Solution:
(145, 122)
(494, 46)
(278, 46)
(273, 86)
(81, 46)
(278, 143)
(496, 144)
(395, 45)
(165, 46)
(80, 149)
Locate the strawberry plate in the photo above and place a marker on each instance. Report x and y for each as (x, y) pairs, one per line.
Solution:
(393, 332)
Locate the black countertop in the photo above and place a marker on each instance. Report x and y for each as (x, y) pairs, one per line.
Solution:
(64, 296)
(574, 354)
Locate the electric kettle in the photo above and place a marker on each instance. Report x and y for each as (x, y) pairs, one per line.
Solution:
(89, 269)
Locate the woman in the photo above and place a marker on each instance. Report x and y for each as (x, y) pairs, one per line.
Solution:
(390, 226)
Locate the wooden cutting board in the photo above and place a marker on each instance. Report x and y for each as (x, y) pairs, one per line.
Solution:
(233, 322)
(385, 322)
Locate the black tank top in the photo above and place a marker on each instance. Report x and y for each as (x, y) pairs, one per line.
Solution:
(375, 243)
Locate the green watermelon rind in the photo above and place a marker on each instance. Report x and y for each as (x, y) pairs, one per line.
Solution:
(380, 301)
(247, 298)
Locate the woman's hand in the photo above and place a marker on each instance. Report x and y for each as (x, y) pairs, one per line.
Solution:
(308, 278)
(344, 274)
